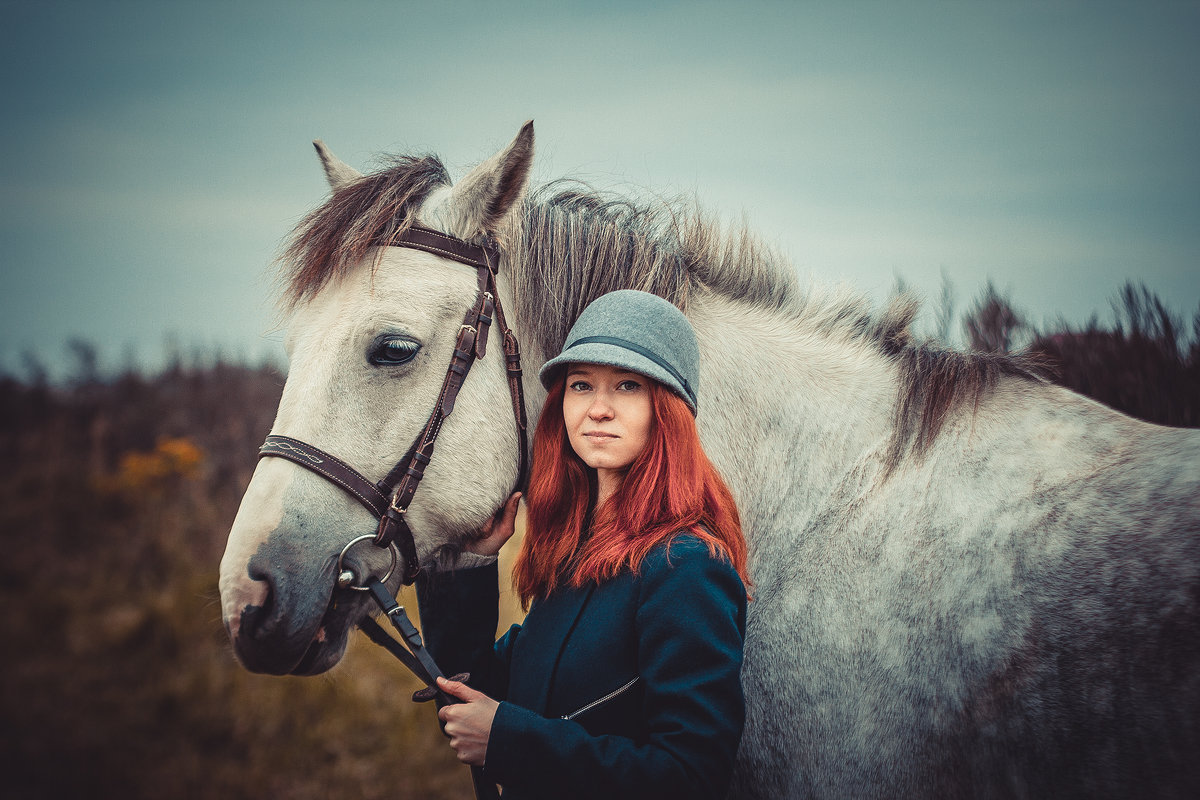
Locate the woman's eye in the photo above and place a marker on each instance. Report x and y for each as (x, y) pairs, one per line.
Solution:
(578, 386)
(629, 386)
(392, 351)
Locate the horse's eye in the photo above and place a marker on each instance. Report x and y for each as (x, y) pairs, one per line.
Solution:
(392, 351)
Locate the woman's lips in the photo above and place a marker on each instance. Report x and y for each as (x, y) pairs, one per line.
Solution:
(600, 435)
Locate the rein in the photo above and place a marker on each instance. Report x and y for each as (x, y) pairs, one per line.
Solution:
(389, 498)
(420, 663)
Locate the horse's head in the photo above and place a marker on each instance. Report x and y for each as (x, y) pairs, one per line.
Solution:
(369, 342)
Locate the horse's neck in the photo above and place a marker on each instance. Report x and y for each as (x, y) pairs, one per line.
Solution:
(790, 415)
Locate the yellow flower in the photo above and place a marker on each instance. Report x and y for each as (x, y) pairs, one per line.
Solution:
(172, 457)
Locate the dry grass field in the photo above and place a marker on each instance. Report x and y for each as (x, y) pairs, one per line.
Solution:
(118, 678)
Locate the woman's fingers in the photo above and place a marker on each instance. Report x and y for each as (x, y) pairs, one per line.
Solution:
(459, 690)
(509, 519)
(468, 724)
(497, 530)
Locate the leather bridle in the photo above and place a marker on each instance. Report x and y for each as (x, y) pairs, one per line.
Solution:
(388, 499)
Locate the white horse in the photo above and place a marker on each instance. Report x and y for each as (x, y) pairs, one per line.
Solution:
(968, 582)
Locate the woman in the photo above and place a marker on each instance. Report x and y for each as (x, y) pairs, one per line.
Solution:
(623, 680)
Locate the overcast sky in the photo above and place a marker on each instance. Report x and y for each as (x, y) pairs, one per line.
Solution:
(155, 154)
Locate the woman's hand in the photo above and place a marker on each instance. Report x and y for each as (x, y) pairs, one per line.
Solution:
(468, 724)
(496, 532)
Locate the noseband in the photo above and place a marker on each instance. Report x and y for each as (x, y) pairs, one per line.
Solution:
(389, 498)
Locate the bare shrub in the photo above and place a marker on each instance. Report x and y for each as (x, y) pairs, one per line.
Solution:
(1143, 365)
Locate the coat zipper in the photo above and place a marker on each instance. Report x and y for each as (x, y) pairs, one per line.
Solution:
(604, 699)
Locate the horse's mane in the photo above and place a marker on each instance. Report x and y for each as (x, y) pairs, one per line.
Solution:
(576, 244)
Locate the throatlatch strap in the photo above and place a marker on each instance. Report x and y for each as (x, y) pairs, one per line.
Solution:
(516, 387)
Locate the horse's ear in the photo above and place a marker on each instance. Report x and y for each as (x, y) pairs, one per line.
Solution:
(482, 198)
(338, 172)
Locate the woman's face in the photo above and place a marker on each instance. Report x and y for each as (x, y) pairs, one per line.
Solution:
(607, 414)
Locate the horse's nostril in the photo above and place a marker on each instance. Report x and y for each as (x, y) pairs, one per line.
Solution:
(255, 608)
(252, 621)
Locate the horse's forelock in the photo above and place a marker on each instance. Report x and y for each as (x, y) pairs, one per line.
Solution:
(358, 216)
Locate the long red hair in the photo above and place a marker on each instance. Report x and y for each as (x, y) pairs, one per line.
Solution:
(669, 488)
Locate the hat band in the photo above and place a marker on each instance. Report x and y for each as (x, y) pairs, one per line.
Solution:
(641, 351)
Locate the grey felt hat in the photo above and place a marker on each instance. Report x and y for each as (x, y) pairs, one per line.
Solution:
(638, 331)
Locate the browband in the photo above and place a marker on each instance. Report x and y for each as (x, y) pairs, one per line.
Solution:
(441, 244)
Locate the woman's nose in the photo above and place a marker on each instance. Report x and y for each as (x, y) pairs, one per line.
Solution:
(600, 407)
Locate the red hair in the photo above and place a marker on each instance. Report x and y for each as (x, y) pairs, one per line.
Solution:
(670, 488)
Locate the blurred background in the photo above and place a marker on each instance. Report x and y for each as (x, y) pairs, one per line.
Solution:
(1029, 168)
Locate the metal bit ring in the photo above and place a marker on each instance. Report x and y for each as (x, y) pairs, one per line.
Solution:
(345, 576)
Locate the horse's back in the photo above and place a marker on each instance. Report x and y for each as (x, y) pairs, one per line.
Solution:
(1100, 694)
(1034, 630)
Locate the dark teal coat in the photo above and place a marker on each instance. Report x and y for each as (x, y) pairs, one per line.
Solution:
(627, 689)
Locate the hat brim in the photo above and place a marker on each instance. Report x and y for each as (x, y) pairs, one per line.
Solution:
(613, 356)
